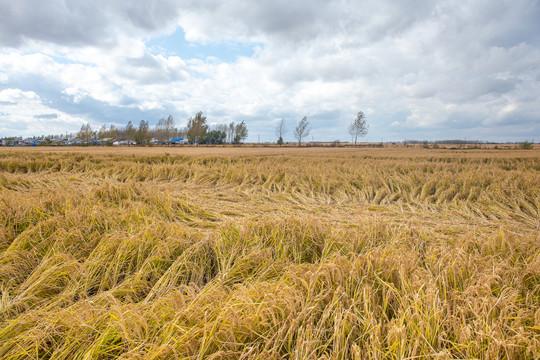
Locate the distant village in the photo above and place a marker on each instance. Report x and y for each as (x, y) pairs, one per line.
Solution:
(72, 139)
(164, 133)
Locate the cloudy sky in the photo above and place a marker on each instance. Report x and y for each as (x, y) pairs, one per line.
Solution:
(419, 69)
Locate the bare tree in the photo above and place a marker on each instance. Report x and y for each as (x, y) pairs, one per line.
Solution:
(86, 133)
(280, 131)
(230, 133)
(302, 130)
(182, 132)
(160, 131)
(359, 127)
(113, 132)
(103, 132)
(170, 127)
(143, 134)
(130, 132)
(165, 130)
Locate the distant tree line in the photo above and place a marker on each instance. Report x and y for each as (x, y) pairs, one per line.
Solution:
(197, 132)
(163, 132)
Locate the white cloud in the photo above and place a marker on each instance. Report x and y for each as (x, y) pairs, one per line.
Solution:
(25, 113)
(420, 66)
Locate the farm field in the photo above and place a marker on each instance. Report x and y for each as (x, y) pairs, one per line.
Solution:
(269, 253)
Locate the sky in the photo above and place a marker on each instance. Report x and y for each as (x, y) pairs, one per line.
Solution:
(418, 69)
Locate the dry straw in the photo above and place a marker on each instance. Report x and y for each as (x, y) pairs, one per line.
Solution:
(270, 254)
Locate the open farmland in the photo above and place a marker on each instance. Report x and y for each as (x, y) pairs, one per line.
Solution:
(246, 253)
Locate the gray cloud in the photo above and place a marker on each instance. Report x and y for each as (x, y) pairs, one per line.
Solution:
(52, 21)
(46, 116)
(297, 22)
(79, 22)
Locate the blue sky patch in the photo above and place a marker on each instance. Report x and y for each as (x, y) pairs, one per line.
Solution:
(176, 44)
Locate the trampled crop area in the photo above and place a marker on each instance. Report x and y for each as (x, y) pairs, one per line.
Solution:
(246, 253)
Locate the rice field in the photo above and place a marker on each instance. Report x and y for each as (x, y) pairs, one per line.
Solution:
(267, 253)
